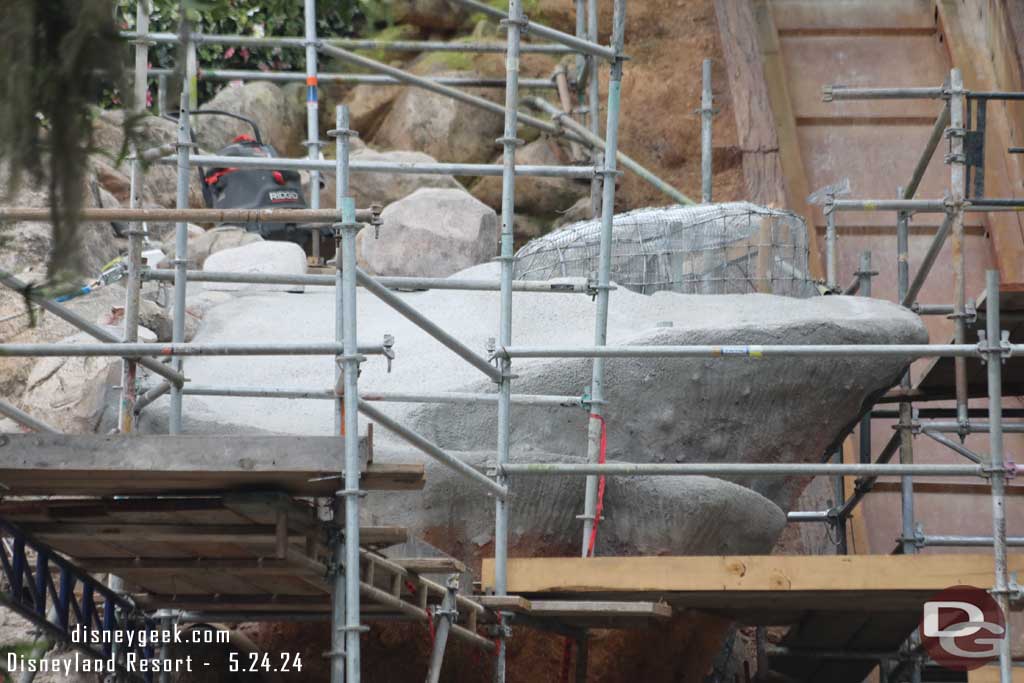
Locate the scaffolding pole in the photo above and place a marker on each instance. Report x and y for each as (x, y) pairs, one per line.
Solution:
(706, 113)
(594, 109)
(26, 420)
(906, 437)
(312, 116)
(514, 24)
(997, 466)
(596, 403)
(957, 165)
(351, 79)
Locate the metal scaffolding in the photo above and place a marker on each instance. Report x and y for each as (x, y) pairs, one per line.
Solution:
(349, 353)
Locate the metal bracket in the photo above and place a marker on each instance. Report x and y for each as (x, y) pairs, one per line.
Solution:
(502, 141)
(523, 23)
(342, 132)
(1005, 348)
(917, 539)
(503, 631)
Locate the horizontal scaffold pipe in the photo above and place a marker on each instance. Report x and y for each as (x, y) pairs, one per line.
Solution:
(924, 205)
(414, 168)
(354, 79)
(159, 349)
(349, 43)
(17, 213)
(90, 328)
(753, 351)
(547, 33)
(427, 84)
(381, 396)
(712, 469)
(427, 325)
(414, 283)
(433, 450)
(26, 420)
(842, 92)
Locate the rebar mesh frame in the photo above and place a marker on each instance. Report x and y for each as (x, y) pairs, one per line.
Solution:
(733, 248)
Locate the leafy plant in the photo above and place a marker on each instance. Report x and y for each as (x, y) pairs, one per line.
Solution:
(334, 18)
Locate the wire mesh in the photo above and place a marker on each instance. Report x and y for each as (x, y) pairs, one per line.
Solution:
(733, 248)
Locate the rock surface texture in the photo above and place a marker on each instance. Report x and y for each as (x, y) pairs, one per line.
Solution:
(271, 257)
(660, 410)
(432, 233)
(385, 188)
(280, 117)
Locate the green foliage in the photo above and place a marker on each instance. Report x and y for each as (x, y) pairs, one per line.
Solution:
(56, 57)
(335, 19)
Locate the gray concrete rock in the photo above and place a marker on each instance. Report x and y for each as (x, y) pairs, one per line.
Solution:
(447, 130)
(210, 242)
(433, 233)
(536, 196)
(718, 410)
(385, 188)
(281, 118)
(271, 257)
(642, 515)
(71, 393)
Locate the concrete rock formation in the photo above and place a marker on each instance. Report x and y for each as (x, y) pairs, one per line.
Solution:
(385, 188)
(281, 118)
(429, 14)
(270, 257)
(446, 130)
(70, 393)
(537, 196)
(206, 243)
(432, 232)
(642, 515)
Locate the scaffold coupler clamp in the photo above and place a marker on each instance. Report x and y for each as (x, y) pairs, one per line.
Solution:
(918, 539)
(522, 22)
(1014, 591)
(1005, 348)
(375, 219)
(388, 349)
(587, 402)
(500, 630)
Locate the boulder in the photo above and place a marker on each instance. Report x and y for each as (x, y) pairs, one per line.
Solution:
(271, 257)
(641, 515)
(447, 130)
(537, 196)
(367, 106)
(281, 118)
(580, 211)
(70, 393)
(436, 15)
(209, 242)
(384, 188)
(433, 233)
(114, 172)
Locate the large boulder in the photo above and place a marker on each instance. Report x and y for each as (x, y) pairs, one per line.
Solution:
(731, 409)
(534, 195)
(202, 244)
(280, 117)
(384, 188)
(431, 233)
(436, 15)
(447, 130)
(272, 258)
(70, 393)
(113, 172)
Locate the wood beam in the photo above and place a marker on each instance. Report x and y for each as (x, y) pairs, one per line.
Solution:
(774, 575)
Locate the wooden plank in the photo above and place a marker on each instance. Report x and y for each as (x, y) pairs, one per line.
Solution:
(945, 488)
(853, 16)
(600, 608)
(171, 566)
(505, 603)
(774, 575)
(430, 565)
(790, 156)
(980, 47)
(990, 674)
(755, 126)
(57, 464)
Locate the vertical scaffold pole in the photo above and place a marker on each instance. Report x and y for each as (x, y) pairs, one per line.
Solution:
(830, 244)
(133, 284)
(181, 227)
(957, 162)
(604, 271)
(345, 259)
(312, 119)
(509, 142)
(594, 107)
(906, 408)
(706, 112)
(993, 334)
